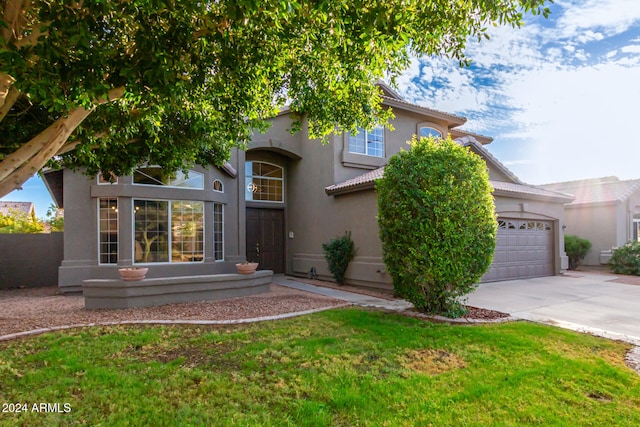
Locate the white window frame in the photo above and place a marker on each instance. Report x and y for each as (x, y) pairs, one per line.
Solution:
(248, 175)
(428, 125)
(213, 185)
(362, 137)
(161, 184)
(169, 232)
(99, 231)
(215, 253)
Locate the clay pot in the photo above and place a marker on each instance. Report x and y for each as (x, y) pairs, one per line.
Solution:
(132, 274)
(247, 268)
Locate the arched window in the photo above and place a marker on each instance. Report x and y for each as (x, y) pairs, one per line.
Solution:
(427, 131)
(218, 186)
(264, 182)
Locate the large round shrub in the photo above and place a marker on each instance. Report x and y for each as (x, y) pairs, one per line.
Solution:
(437, 223)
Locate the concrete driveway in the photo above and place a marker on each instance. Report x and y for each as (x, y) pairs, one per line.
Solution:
(580, 301)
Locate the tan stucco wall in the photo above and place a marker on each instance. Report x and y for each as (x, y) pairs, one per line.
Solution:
(598, 224)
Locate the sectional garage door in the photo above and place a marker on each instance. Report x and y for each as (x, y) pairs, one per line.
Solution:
(524, 248)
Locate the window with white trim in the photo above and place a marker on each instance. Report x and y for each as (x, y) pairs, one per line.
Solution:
(427, 131)
(218, 186)
(108, 231)
(218, 231)
(155, 175)
(264, 182)
(369, 143)
(168, 231)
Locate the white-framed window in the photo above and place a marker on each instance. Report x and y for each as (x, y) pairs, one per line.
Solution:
(155, 175)
(427, 131)
(636, 227)
(218, 231)
(102, 180)
(369, 143)
(218, 186)
(168, 231)
(107, 231)
(264, 182)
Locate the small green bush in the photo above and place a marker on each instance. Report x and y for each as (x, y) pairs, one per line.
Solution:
(339, 252)
(437, 223)
(626, 259)
(576, 249)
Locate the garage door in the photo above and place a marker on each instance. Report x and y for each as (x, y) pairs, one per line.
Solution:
(524, 248)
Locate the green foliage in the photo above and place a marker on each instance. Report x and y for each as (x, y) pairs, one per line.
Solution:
(576, 249)
(339, 252)
(55, 218)
(626, 259)
(437, 223)
(200, 77)
(19, 222)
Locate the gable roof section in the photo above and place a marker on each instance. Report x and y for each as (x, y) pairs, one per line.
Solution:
(451, 119)
(596, 191)
(516, 188)
(25, 207)
(507, 189)
(475, 146)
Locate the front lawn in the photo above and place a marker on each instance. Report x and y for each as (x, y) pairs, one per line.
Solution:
(341, 367)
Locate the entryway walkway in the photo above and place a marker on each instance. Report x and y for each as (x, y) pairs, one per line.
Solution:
(351, 297)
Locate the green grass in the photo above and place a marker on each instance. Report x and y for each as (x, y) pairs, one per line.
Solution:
(347, 367)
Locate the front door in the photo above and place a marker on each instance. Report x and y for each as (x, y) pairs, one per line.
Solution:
(265, 238)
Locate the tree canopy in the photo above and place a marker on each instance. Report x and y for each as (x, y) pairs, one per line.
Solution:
(107, 85)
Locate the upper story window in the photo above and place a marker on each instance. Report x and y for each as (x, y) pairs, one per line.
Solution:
(370, 143)
(218, 186)
(105, 180)
(427, 131)
(264, 182)
(155, 175)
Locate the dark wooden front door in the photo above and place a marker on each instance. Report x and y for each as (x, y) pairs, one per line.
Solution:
(265, 238)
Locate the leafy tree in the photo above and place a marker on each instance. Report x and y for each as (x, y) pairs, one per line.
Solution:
(55, 218)
(437, 223)
(107, 85)
(17, 221)
(576, 249)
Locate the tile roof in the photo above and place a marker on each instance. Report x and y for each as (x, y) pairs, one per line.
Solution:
(603, 190)
(25, 207)
(367, 181)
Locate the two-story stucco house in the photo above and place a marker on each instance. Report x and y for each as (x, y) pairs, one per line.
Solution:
(279, 201)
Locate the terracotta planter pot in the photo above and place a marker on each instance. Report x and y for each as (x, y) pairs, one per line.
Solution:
(132, 274)
(248, 268)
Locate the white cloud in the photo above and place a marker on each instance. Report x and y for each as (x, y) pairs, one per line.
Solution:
(580, 122)
(631, 49)
(609, 16)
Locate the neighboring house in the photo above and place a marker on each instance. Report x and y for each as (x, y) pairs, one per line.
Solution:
(289, 196)
(605, 211)
(27, 208)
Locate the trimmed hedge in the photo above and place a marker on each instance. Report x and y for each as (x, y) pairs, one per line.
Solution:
(437, 223)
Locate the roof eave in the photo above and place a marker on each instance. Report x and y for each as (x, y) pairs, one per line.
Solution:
(351, 189)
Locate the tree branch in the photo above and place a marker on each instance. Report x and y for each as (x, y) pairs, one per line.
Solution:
(14, 15)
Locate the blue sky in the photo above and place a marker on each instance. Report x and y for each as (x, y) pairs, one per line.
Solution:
(560, 96)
